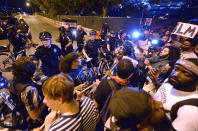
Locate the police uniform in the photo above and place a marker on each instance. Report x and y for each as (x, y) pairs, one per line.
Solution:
(24, 29)
(80, 39)
(49, 58)
(3, 34)
(64, 40)
(91, 48)
(112, 42)
(18, 42)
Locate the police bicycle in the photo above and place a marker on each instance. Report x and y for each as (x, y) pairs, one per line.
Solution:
(7, 57)
(102, 66)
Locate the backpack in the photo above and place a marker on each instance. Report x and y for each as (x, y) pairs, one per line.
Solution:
(12, 102)
(105, 112)
(175, 107)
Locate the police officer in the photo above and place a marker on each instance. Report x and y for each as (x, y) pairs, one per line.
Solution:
(91, 49)
(3, 29)
(111, 42)
(17, 40)
(68, 31)
(80, 33)
(65, 41)
(49, 55)
(104, 30)
(24, 28)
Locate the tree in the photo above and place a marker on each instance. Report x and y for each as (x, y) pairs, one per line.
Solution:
(75, 7)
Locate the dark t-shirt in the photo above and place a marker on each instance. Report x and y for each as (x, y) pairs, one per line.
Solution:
(24, 28)
(112, 42)
(64, 38)
(69, 34)
(49, 58)
(91, 48)
(80, 35)
(4, 27)
(104, 90)
(105, 28)
(17, 40)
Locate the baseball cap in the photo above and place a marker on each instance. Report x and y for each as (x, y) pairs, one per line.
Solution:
(130, 107)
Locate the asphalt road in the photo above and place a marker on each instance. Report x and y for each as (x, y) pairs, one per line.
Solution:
(37, 25)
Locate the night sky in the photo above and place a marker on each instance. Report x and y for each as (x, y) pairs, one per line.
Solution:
(13, 3)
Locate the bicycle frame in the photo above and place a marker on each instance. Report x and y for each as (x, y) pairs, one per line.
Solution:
(11, 56)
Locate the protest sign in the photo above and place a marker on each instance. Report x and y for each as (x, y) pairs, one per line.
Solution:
(186, 30)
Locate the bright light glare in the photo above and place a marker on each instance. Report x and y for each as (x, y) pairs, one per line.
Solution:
(2, 85)
(74, 32)
(136, 34)
(154, 42)
(27, 4)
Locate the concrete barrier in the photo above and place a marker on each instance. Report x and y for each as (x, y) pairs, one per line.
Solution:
(59, 23)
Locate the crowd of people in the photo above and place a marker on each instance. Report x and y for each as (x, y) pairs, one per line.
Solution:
(151, 85)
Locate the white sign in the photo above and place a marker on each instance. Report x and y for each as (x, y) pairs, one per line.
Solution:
(186, 30)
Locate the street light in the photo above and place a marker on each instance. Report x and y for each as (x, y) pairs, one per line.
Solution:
(27, 4)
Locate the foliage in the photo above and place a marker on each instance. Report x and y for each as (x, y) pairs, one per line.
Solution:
(76, 7)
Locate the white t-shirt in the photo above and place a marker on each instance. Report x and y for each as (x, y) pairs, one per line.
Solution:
(185, 55)
(187, 115)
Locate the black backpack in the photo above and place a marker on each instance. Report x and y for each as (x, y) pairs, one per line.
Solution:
(13, 102)
(105, 112)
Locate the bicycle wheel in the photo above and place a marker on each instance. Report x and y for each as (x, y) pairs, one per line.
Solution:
(103, 68)
(5, 62)
(86, 75)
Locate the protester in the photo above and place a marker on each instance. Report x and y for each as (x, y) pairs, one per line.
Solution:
(125, 71)
(187, 48)
(181, 86)
(133, 110)
(71, 64)
(167, 54)
(68, 113)
(26, 95)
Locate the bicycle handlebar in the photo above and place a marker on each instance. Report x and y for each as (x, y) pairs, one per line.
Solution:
(89, 87)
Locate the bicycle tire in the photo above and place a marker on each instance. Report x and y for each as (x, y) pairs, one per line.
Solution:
(104, 67)
(5, 62)
(86, 75)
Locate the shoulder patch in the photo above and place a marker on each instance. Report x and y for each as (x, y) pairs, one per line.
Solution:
(55, 50)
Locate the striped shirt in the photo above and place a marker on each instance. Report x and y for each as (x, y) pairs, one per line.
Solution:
(86, 119)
